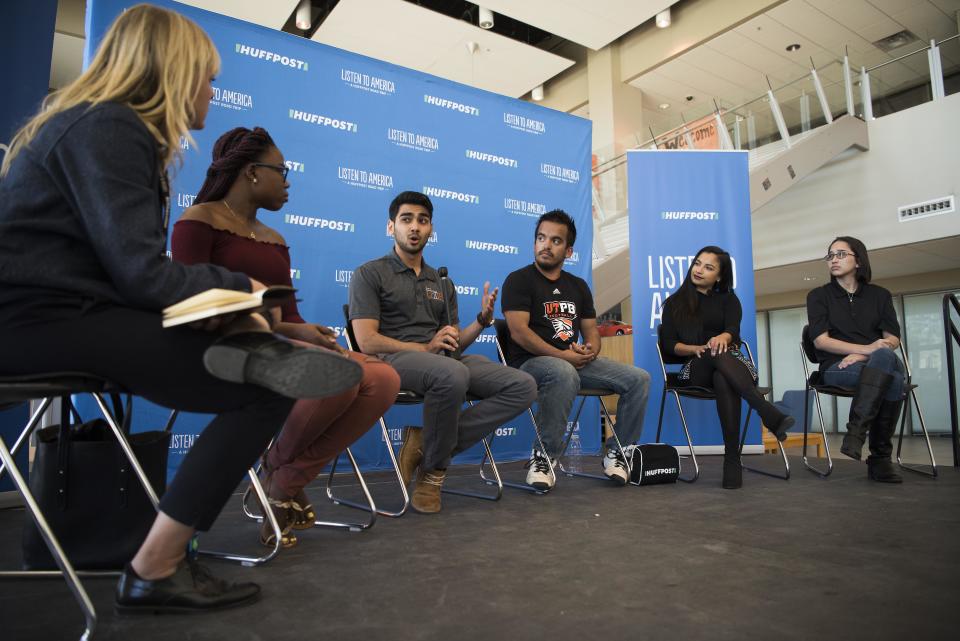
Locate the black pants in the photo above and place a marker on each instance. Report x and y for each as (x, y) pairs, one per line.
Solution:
(731, 381)
(130, 348)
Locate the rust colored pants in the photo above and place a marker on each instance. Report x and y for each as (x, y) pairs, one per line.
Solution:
(317, 430)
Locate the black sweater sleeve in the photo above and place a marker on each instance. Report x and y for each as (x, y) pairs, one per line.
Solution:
(106, 165)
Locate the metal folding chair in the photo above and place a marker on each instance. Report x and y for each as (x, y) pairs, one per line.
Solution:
(671, 385)
(816, 385)
(15, 390)
(503, 335)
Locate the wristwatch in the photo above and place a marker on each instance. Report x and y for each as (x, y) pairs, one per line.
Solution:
(480, 320)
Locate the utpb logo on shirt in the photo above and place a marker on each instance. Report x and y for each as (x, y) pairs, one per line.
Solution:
(561, 314)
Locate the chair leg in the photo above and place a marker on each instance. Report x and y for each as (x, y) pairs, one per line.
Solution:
(66, 568)
(663, 400)
(370, 508)
(495, 481)
(251, 561)
(128, 451)
(513, 484)
(569, 435)
(743, 438)
(396, 470)
(27, 431)
(903, 420)
(686, 432)
(823, 431)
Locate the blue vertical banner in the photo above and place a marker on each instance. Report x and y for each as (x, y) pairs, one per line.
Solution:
(355, 132)
(26, 32)
(681, 201)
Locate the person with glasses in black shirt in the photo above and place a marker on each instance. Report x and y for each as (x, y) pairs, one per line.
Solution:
(855, 332)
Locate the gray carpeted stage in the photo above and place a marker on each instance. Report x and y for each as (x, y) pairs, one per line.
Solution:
(842, 558)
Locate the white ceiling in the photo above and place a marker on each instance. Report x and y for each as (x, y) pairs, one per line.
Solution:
(411, 36)
(732, 67)
(593, 24)
(273, 14)
(892, 262)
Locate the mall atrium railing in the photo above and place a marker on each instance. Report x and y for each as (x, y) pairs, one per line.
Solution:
(951, 336)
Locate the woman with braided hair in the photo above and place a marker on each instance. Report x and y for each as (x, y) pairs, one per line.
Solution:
(248, 174)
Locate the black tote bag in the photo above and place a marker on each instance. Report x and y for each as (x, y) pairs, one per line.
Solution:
(90, 495)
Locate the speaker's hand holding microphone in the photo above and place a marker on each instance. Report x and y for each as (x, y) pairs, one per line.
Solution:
(447, 340)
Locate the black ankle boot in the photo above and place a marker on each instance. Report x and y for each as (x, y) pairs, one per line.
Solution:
(880, 467)
(732, 473)
(871, 387)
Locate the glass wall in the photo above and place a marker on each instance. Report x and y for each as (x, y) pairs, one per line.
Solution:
(781, 366)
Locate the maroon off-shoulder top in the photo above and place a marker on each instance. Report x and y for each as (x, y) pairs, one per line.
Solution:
(194, 242)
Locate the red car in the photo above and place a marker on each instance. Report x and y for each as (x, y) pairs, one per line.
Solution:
(614, 328)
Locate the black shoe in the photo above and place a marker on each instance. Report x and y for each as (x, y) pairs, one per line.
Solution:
(871, 387)
(852, 445)
(780, 431)
(732, 473)
(882, 470)
(275, 363)
(190, 589)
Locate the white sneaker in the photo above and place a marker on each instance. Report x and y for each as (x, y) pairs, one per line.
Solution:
(615, 467)
(538, 471)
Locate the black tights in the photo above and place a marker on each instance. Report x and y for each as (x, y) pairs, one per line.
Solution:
(731, 381)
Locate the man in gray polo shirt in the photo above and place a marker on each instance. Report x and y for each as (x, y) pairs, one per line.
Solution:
(398, 309)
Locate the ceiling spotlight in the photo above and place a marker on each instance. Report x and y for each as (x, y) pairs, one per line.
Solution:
(486, 18)
(663, 18)
(793, 47)
(664, 105)
(537, 93)
(304, 19)
(472, 47)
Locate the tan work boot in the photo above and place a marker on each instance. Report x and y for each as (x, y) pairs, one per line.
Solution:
(426, 493)
(411, 453)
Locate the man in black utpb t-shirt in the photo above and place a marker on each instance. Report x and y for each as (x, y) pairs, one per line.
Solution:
(548, 310)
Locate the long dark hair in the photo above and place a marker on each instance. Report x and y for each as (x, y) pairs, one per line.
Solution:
(231, 152)
(863, 273)
(684, 304)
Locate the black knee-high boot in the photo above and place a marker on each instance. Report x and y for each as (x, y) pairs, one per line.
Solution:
(879, 465)
(871, 387)
(728, 409)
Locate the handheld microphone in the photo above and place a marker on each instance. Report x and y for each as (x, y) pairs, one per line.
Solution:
(442, 273)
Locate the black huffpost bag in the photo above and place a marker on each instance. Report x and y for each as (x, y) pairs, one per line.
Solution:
(653, 464)
(89, 494)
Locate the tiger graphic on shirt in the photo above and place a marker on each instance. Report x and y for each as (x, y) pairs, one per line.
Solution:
(561, 314)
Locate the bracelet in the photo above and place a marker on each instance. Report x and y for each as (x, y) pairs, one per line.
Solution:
(480, 320)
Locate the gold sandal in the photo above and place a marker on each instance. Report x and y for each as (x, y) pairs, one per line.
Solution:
(283, 512)
(303, 514)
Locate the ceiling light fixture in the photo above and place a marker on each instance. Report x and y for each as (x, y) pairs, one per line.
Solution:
(304, 19)
(664, 105)
(537, 93)
(486, 18)
(663, 18)
(793, 47)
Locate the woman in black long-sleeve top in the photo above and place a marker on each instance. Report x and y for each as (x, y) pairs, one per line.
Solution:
(701, 321)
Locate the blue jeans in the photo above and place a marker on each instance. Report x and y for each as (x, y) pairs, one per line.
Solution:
(883, 359)
(558, 383)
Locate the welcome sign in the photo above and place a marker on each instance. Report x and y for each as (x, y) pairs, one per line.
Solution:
(355, 132)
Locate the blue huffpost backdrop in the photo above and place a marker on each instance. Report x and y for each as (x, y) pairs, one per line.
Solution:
(355, 132)
(681, 201)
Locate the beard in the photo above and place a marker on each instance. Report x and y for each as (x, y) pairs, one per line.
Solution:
(405, 245)
(549, 263)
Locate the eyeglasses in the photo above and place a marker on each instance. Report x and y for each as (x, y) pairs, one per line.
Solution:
(281, 169)
(839, 255)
